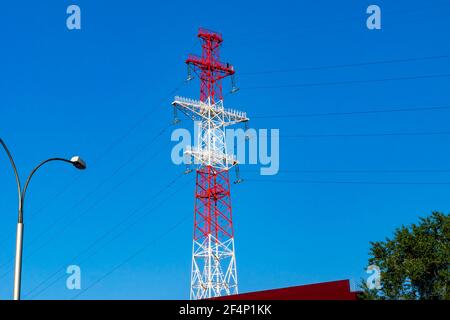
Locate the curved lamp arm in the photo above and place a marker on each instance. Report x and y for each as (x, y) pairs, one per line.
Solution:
(29, 179)
(19, 193)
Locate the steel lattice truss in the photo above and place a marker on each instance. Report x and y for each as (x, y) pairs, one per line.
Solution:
(211, 142)
(213, 257)
(214, 263)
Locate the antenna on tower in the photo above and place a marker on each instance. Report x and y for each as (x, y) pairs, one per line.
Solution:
(188, 169)
(175, 117)
(234, 88)
(189, 73)
(238, 176)
(247, 135)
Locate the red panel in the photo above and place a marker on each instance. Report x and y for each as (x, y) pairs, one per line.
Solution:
(212, 205)
(335, 290)
(209, 67)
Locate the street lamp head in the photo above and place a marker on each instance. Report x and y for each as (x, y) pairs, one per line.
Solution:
(78, 163)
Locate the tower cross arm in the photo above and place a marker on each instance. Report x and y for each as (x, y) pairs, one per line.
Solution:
(225, 68)
(196, 109)
(212, 158)
(234, 116)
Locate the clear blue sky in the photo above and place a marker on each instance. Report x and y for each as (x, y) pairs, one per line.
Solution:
(80, 92)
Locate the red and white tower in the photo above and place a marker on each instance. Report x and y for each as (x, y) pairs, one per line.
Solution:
(213, 258)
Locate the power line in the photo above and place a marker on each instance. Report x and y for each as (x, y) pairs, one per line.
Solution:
(106, 151)
(388, 134)
(141, 120)
(116, 142)
(109, 231)
(362, 135)
(344, 20)
(107, 243)
(103, 182)
(99, 185)
(131, 257)
(326, 114)
(348, 65)
(332, 83)
(116, 226)
(345, 182)
(122, 138)
(105, 196)
(357, 171)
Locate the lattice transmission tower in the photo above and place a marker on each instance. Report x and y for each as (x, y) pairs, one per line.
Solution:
(213, 271)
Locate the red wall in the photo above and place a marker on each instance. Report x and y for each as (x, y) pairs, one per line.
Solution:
(335, 290)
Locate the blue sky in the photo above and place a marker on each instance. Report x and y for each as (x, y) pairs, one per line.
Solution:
(104, 92)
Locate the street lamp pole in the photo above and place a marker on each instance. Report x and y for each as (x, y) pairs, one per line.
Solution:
(77, 162)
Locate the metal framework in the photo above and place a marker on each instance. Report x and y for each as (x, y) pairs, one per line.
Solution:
(213, 271)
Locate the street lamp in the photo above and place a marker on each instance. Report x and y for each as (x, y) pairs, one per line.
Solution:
(77, 162)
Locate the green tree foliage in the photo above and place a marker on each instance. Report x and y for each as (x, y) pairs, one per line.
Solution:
(414, 264)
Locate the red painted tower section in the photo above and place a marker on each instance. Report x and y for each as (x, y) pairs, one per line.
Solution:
(212, 205)
(209, 67)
